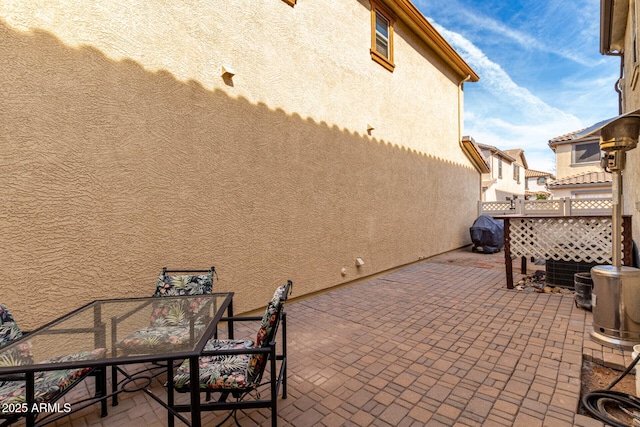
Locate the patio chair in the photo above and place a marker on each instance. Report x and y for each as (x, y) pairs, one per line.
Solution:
(49, 386)
(169, 323)
(234, 368)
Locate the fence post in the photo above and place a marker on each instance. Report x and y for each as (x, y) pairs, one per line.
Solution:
(479, 207)
(508, 262)
(566, 206)
(520, 210)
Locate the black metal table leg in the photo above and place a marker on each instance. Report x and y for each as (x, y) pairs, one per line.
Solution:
(30, 392)
(194, 379)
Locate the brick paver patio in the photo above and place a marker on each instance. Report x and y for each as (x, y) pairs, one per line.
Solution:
(431, 344)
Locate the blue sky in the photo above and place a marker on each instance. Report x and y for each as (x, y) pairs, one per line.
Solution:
(540, 67)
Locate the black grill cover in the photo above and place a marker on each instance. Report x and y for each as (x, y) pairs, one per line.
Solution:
(488, 234)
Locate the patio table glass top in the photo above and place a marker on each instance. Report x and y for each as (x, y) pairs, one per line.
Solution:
(120, 331)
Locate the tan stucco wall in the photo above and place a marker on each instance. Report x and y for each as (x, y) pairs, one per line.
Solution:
(124, 150)
(565, 166)
(631, 175)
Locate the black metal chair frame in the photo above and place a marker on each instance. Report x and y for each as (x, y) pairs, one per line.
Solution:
(277, 376)
(47, 418)
(100, 374)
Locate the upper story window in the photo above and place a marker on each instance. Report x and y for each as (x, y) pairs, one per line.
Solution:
(500, 168)
(542, 181)
(382, 35)
(588, 152)
(516, 173)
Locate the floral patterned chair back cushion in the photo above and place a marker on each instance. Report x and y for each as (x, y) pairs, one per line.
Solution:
(267, 332)
(9, 330)
(169, 286)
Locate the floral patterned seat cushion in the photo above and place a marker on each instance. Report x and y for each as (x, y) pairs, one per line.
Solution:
(49, 384)
(217, 372)
(19, 355)
(152, 338)
(169, 325)
(183, 285)
(236, 371)
(9, 330)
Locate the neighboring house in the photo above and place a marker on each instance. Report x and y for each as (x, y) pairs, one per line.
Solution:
(578, 171)
(273, 139)
(506, 177)
(619, 37)
(535, 184)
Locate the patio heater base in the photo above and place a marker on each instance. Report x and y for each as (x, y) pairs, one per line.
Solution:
(615, 302)
(612, 342)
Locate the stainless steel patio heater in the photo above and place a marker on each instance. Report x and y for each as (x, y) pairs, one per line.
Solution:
(615, 298)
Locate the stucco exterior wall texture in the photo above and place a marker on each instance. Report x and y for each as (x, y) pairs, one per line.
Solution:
(535, 187)
(506, 186)
(124, 149)
(631, 101)
(565, 166)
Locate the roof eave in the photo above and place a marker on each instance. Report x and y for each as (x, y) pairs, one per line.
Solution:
(613, 23)
(473, 153)
(410, 15)
(581, 185)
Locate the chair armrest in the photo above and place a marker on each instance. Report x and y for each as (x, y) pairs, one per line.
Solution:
(241, 318)
(238, 351)
(12, 377)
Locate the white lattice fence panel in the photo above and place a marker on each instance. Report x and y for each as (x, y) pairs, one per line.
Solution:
(497, 208)
(581, 206)
(586, 239)
(556, 207)
(535, 207)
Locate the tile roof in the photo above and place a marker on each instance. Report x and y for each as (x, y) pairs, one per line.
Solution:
(518, 153)
(536, 193)
(583, 178)
(568, 138)
(565, 137)
(530, 173)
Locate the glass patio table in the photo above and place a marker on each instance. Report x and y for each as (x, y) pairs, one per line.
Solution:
(108, 328)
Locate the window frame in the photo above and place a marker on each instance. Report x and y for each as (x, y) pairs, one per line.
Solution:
(385, 61)
(499, 168)
(516, 173)
(574, 160)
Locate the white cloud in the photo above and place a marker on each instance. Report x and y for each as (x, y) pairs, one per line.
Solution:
(569, 85)
(526, 41)
(481, 21)
(496, 80)
(519, 120)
